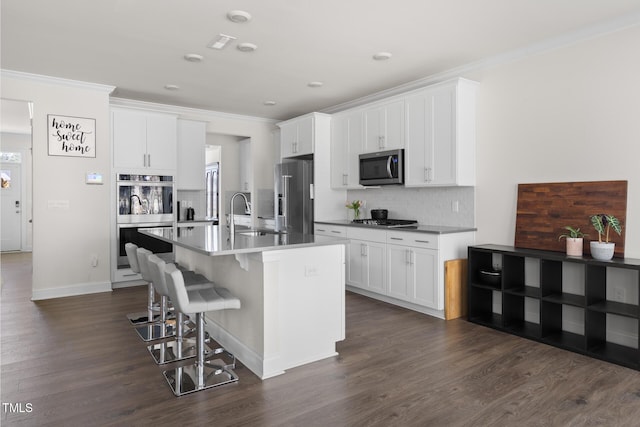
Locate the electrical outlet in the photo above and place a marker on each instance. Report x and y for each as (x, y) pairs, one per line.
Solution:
(94, 260)
(455, 206)
(310, 270)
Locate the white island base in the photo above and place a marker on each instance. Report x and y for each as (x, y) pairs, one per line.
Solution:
(293, 308)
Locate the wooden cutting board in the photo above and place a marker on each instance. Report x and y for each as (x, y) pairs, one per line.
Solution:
(544, 209)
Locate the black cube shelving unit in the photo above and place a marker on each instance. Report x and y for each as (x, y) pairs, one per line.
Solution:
(501, 304)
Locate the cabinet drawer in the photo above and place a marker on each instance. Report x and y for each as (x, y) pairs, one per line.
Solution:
(418, 240)
(367, 234)
(330, 230)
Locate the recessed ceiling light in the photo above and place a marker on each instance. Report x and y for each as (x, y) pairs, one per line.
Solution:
(315, 84)
(239, 16)
(193, 57)
(382, 56)
(269, 103)
(220, 41)
(247, 47)
(171, 87)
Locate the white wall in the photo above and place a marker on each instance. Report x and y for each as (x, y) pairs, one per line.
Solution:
(572, 114)
(64, 240)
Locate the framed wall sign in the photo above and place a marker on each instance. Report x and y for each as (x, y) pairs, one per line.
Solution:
(71, 136)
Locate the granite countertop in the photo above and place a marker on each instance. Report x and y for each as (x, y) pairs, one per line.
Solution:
(214, 240)
(419, 228)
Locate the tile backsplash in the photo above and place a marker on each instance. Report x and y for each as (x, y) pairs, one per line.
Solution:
(449, 206)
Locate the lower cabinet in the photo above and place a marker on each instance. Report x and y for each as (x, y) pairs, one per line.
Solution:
(366, 256)
(399, 267)
(366, 268)
(412, 275)
(575, 303)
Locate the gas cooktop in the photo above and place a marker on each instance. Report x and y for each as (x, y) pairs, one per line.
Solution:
(388, 223)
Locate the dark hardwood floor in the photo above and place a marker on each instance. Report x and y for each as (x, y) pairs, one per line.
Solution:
(77, 362)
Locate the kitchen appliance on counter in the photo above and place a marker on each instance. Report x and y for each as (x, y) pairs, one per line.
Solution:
(379, 214)
(382, 168)
(388, 223)
(144, 201)
(293, 196)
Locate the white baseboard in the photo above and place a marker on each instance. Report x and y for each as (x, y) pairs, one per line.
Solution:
(404, 304)
(69, 291)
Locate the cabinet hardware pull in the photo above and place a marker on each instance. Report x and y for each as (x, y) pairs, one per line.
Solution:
(421, 241)
(427, 174)
(321, 229)
(334, 231)
(396, 238)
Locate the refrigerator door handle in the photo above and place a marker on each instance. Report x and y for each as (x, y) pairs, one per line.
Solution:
(312, 193)
(285, 200)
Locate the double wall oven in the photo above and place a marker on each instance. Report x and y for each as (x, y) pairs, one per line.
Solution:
(144, 201)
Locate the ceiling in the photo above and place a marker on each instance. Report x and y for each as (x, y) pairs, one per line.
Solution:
(139, 46)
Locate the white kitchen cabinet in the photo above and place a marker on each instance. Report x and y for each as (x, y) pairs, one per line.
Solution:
(144, 140)
(384, 127)
(403, 267)
(329, 230)
(366, 254)
(245, 164)
(440, 135)
(347, 140)
(297, 136)
(412, 268)
(192, 137)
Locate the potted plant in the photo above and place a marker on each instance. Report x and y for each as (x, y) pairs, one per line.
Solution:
(603, 249)
(575, 239)
(355, 205)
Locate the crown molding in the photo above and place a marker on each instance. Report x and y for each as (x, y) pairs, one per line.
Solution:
(562, 41)
(183, 111)
(38, 78)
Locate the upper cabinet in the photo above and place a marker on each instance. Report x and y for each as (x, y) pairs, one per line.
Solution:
(347, 141)
(315, 130)
(297, 136)
(384, 127)
(192, 137)
(144, 140)
(435, 125)
(440, 139)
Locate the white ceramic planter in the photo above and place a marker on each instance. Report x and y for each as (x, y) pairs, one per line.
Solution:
(602, 251)
(574, 246)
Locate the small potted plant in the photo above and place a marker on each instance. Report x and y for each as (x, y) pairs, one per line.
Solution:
(603, 249)
(355, 205)
(575, 239)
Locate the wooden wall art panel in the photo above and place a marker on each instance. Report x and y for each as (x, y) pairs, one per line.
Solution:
(544, 209)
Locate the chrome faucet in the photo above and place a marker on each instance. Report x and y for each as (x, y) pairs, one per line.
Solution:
(131, 205)
(232, 224)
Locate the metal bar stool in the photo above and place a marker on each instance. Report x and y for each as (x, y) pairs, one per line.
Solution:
(203, 373)
(159, 328)
(184, 344)
(153, 309)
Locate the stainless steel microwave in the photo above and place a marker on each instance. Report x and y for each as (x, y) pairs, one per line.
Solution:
(382, 168)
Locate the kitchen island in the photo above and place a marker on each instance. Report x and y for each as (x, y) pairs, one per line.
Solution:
(291, 287)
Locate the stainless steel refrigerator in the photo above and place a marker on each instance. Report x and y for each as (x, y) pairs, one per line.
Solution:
(293, 196)
(212, 191)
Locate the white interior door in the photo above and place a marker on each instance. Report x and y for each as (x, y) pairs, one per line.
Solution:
(11, 200)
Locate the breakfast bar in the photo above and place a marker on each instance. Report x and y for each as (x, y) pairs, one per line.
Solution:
(291, 286)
